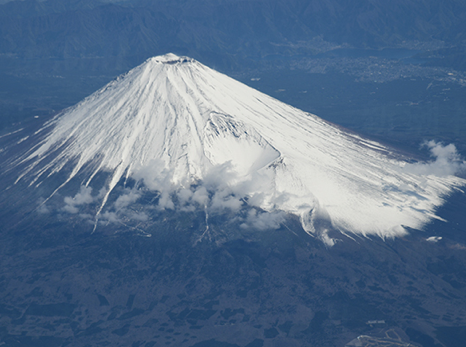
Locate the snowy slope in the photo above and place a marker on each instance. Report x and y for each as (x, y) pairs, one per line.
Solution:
(173, 122)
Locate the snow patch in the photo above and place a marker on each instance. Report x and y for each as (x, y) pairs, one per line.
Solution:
(434, 239)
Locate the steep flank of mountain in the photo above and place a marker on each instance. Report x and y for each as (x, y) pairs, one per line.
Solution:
(177, 127)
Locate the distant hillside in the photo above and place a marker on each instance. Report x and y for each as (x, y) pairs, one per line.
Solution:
(218, 32)
(55, 52)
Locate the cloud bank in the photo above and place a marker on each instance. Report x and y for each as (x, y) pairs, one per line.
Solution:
(222, 191)
(254, 199)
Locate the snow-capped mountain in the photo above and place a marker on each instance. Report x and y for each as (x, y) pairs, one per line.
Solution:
(183, 129)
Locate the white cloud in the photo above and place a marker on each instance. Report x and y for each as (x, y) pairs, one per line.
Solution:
(138, 216)
(201, 196)
(83, 197)
(70, 209)
(264, 220)
(434, 239)
(109, 217)
(42, 209)
(165, 201)
(125, 200)
(154, 175)
(447, 161)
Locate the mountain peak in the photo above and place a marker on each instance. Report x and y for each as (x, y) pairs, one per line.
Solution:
(170, 58)
(205, 140)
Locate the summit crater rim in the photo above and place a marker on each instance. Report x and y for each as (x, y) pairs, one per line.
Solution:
(171, 59)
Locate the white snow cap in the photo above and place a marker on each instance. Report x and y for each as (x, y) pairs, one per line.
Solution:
(171, 58)
(173, 122)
